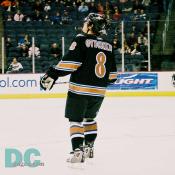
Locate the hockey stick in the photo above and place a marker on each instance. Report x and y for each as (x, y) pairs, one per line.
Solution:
(65, 82)
(62, 82)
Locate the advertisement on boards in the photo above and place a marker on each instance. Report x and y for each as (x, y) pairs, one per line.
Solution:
(28, 83)
(135, 81)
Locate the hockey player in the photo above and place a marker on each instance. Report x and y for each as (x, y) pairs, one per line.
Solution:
(90, 62)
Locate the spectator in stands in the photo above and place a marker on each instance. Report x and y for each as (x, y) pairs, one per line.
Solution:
(135, 50)
(9, 17)
(6, 4)
(56, 19)
(137, 5)
(37, 16)
(15, 5)
(68, 5)
(46, 17)
(55, 51)
(23, 49)
(135, 29)
(34, 50)
(8, 44)
(100, 8)
(117, 14)
(135, 15)
(109, 9)
(122, 1)
(18, 16)
(27, 18)
(47, 7)
(127, 49)
(126, 6)
(92, 8)
(116, 45)
(146, 3)
(89, 1)
(83, 8)
(142, 40)
(38, 6)
(58, 5)
(23, 39)
(132, 39)
(142, 15)
(15, 67)
(66, 18)
(78, 3)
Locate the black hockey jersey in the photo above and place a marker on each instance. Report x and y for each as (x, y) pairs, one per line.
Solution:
(90, 61)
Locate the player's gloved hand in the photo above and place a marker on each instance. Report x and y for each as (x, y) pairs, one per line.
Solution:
(48, 80)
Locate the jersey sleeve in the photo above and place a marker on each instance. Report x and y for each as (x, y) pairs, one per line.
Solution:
(72, 60)
(113, 71)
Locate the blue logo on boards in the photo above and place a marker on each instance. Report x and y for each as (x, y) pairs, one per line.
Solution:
(135, 81)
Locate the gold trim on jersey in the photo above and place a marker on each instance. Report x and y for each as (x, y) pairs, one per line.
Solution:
(113, 75)
(68, 65)
(87, 90)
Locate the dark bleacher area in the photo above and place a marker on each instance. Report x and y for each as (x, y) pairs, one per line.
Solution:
(44, 33)
(46, 30)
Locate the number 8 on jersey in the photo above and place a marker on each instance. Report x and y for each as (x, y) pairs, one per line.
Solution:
(100, 69)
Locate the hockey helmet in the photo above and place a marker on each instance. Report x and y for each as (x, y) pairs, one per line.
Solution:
(99, 23)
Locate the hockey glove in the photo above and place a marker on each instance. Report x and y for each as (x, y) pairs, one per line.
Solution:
(113, 81)
(48, 80)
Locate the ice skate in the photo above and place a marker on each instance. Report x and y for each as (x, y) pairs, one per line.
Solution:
(89, 151)
(76, 156)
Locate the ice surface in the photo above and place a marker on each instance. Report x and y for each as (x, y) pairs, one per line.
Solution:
(136, 136)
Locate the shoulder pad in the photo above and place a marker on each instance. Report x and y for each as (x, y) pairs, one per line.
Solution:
(80, 38)
(80, 35)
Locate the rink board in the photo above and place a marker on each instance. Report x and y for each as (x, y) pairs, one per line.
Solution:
(13, 86)
(108, 94)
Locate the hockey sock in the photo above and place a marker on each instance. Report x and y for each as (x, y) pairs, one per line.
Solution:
(76, 134)
(90, 131)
